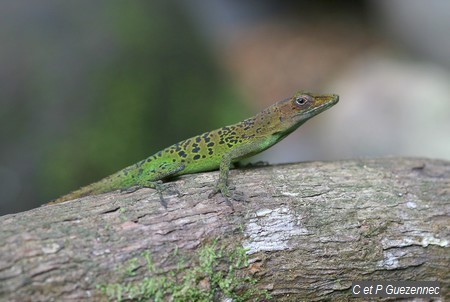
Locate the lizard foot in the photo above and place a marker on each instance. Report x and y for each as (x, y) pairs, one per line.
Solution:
(156, 185)
(160, 188)
(225, 192)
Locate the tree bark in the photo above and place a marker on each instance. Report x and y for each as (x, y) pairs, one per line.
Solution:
(310, 229)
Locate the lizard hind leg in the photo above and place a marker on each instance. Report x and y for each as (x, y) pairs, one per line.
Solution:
(165, 171)
(234, 155)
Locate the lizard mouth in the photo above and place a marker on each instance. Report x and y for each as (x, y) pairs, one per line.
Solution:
(327, 102)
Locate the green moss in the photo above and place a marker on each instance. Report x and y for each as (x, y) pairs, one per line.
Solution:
(216, 273)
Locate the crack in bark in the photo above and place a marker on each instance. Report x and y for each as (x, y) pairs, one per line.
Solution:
(316, 194)
(113, 210)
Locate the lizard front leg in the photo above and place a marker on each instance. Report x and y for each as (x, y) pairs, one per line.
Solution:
(222, 184)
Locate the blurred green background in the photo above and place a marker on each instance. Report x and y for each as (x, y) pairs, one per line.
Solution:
(87, 88)
(99, 86)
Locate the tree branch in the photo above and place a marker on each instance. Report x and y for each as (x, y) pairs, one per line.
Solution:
(310, 229)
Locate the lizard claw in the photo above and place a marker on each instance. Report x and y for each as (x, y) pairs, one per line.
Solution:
(224, 191)
(160, 188)
(162, 200)
(213, 193)
(170, 190)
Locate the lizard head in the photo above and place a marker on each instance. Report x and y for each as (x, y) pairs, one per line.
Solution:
(289, 114)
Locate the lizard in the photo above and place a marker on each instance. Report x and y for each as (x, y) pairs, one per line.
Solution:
(217, 149)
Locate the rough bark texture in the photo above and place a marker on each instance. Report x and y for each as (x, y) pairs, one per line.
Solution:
(310, 229)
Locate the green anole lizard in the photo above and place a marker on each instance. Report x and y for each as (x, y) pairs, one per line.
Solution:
(214, 149)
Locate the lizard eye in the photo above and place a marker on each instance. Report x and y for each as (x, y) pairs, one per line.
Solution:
(301, 100)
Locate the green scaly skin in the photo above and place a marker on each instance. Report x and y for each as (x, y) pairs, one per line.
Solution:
(215, 149)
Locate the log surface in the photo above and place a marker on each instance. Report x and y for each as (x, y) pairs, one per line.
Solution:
(310, 229)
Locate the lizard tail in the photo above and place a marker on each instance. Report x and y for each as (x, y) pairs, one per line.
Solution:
(102, 186)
